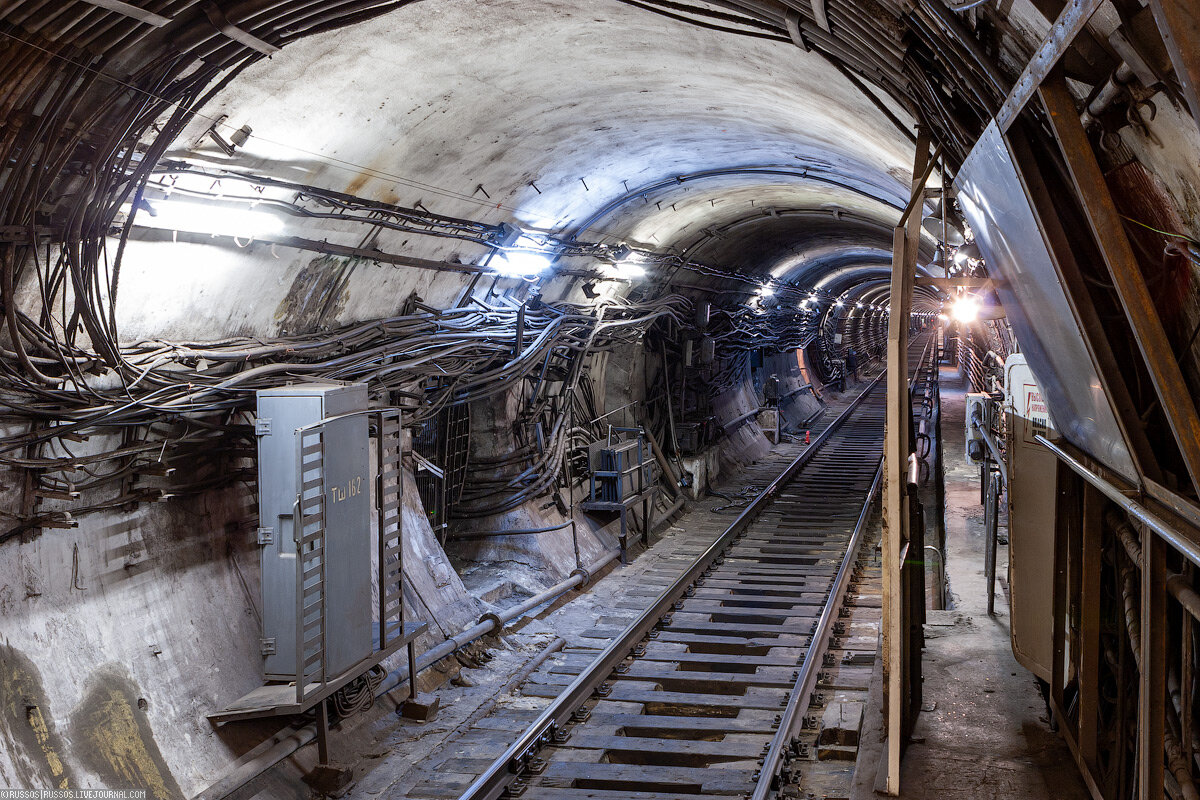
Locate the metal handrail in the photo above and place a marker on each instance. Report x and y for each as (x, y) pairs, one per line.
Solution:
(1185, 545)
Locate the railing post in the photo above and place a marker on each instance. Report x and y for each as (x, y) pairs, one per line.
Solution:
(1153, 680)
(896, 613)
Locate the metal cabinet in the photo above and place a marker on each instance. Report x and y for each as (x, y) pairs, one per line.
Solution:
(339, 462)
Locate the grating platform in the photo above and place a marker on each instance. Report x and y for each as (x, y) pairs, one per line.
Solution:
(279, 699)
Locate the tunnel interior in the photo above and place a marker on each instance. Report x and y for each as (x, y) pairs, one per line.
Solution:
(532, 228)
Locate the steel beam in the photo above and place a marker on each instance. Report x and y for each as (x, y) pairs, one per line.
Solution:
(1109, 232)
(1064, 30)
(1092, 552)
(1179, 24)
(1152, 686)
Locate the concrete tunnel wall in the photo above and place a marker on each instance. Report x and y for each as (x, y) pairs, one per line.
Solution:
(574, 119)
(153, 611)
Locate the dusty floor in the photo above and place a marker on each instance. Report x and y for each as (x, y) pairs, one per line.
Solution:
(985, 732)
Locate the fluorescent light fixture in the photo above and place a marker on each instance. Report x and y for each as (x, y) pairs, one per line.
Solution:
(965, 308)
(521, 263)
(626, 269)
(627, 263)
(242, 222)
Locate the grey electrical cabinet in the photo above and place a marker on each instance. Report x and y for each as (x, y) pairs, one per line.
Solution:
(344, 464)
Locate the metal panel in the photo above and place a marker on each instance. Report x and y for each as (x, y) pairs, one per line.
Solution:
(1032, 491)
(346, 575)
(348, 521)
(1017, 254)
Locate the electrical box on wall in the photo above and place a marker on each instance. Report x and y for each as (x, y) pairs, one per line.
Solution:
(344, 464)
(979, 405)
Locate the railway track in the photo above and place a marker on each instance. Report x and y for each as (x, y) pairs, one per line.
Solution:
(704, 693)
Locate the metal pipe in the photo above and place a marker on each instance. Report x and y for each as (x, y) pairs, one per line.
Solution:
(1132, 507)
(736, 421)
(1112, 89)
(283, 744)
(1184, 593)
(993, 447)
(667, 472)
(514, 532)
(665, 519)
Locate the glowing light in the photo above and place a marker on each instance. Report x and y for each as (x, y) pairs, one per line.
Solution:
(628, 269)
(858, 305)
(965, 309)
(244, 222)
(521, 263)
(839, 304)
(765, 290)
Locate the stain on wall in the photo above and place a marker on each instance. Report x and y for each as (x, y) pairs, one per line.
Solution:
(112, 737)
(27, 728)
(318, 294)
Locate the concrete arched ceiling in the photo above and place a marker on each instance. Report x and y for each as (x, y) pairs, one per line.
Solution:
(596, 120)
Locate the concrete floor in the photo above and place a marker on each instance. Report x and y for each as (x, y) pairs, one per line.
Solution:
(985, 732)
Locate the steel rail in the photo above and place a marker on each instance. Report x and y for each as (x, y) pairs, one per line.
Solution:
(819, 643)
(512, 762)
(813, 655)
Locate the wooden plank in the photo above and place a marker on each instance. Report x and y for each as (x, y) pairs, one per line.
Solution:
(716, 752)
(1153, 678)
(709, 780)
(1090, 651)
(712, 704)
(747, 721)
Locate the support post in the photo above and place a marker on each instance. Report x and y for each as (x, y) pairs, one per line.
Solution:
(322, 733)
(905, 241)
(895, 502)
(1153, 680)
(1092, 550)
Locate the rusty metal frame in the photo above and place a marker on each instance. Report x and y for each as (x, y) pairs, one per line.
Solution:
(1117, 253)
(1161, 531)
(1109, 370)
(1179, 25)
(1062, 33)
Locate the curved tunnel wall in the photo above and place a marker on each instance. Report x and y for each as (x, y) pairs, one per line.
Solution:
(602, 123)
